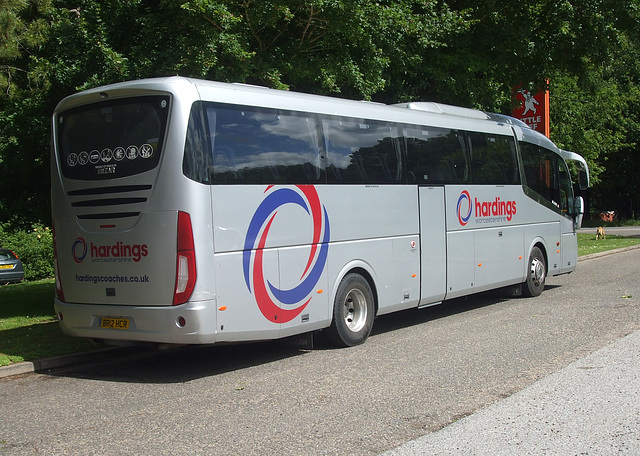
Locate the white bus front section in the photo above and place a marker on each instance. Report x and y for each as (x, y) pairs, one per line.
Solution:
(490, 232)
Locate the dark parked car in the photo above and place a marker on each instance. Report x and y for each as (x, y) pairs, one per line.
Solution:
(10, 267)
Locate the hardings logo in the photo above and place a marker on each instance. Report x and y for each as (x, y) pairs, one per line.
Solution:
(281, 306)
(463, 209)
(496, 210)
(118, 252)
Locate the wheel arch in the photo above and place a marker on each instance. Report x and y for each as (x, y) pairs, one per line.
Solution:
(536, 271)
(539, 242)
(366, 271)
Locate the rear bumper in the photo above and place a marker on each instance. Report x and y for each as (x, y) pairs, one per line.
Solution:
(161, 324)
(13, 276)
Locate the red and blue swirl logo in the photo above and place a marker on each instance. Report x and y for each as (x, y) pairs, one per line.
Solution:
(79, 250)
(464, 207)
(282, 306)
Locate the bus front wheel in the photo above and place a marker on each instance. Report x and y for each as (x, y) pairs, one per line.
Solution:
(353, 312)
(536, 273)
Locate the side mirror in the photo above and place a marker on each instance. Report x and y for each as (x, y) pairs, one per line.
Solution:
(578, 211)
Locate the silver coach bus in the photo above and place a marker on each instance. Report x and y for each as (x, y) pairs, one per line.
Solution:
(190, 211)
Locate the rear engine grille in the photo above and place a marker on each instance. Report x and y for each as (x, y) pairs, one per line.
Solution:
(109, 190)
(114, 215)
(108, 202)
(90, 197)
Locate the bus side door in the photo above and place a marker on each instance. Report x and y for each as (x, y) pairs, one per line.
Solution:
(433, 245)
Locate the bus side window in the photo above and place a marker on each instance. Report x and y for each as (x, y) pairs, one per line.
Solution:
(362, 151)
(566, 188)
(196, 161)
(541, 168)
(493, 159)
(435, 156)
(265, 146)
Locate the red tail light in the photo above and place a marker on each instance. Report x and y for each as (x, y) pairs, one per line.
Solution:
(185, 262)
(56, 269)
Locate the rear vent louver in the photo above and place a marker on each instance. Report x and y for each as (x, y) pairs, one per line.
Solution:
(113, 215)
(108, 202)
(89, 198)
(109, 190)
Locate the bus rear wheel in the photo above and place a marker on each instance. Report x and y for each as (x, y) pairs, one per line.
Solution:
(536, 273)
(353, 312)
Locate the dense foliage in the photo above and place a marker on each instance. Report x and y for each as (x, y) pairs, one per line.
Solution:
(460, 52)
(34, 247)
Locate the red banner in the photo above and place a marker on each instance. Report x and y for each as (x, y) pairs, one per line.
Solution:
(532, 109)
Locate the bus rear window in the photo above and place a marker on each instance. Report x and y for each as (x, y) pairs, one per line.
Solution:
(111, 139)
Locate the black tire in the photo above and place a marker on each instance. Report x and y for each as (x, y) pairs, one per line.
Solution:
(536, 274)
(353, 312)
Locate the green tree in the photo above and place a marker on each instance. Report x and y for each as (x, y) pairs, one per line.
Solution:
(351, 48)
(588, 50)
(23, 122)
(460, 52)
(355, 49)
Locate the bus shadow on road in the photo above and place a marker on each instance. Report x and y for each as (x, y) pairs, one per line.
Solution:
(177, 364)
(184, 364)
(412, 317)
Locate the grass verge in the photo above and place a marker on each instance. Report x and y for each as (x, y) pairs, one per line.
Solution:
(28, 325)
(587, 243)
(30, 330)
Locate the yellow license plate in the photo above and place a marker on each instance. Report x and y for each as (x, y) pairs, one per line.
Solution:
(6, 266)
(114, 323)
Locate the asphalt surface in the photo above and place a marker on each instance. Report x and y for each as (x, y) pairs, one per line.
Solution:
(588, 407)
(42, 365)
(591, 407)
(46, 364)
(627, 231)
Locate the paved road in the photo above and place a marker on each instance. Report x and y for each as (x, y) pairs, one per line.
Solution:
(419, 372)
(591, 406)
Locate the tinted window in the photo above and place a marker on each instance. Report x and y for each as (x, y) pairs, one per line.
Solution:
(547, 175)
(493, 159)
(251, 146)
(198, 159)
(229, 144)
(264, 147)
(360, 151)
(436, 156)
(112, 139)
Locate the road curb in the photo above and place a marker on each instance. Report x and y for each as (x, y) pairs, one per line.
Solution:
(592, 256)
(44, 364)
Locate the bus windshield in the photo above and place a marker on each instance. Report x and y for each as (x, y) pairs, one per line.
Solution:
(115, 138)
